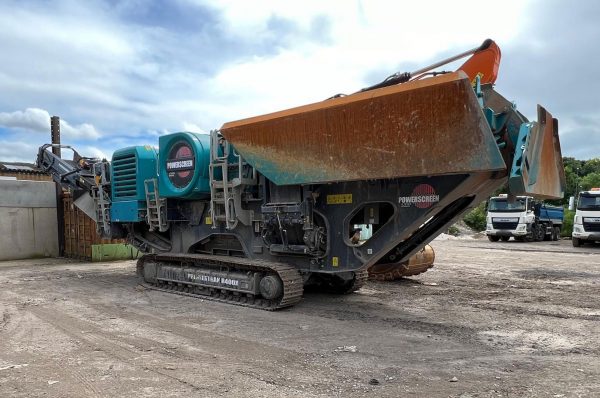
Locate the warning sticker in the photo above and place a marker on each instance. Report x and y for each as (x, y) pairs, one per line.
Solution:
(339, 199)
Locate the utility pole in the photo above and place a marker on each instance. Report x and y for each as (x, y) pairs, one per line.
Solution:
(60, 214)
(55, 134)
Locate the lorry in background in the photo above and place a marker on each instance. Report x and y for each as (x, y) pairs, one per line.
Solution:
(524, 219)
(586, 224)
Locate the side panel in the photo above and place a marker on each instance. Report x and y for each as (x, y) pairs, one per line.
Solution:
(426, 127)
(555, 214)
(415, 211)
(130, 167)
(126, 211)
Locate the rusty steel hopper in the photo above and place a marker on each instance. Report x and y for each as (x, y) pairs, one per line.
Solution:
(420, 262)
(425, 127)
(538, 169)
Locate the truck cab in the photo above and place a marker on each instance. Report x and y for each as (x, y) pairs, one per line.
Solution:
(586, 224)
(523, 218)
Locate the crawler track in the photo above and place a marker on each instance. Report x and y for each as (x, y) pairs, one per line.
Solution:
(290, 278)
(359, 280)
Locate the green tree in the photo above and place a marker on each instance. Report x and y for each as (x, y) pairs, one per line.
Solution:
(572, 181)
(567, 227)
(590, 166)
(476, 218)
(590, 181)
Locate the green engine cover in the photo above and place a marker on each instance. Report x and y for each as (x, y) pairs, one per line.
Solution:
(183, 165)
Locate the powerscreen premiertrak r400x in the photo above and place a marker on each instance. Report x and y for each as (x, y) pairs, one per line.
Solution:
(320, 194)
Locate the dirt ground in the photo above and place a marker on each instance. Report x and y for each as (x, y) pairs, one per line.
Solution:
(489, 320)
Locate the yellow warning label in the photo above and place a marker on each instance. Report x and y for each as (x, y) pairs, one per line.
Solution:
(208, 220)
(339, 199)
(335, 262)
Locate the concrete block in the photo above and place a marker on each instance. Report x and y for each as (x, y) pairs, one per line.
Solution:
(22, 193)
(28, 224)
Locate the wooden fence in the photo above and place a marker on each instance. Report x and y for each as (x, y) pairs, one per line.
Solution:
(80, 232)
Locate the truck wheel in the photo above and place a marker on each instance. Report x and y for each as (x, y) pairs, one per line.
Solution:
(538, 232)
(541, 233)
(531, 236)
(493, 238)
(505, 238)
(556, 233)
(545, 234)
(576, 242)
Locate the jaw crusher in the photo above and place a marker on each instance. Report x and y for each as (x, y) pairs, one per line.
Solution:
(319, 194)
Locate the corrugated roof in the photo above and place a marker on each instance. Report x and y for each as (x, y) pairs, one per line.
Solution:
(20, 167)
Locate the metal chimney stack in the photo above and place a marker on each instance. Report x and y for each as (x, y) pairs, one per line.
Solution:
(55, 134)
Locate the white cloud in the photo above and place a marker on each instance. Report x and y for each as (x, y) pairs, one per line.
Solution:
(364, 32)
(30, 119)
(82, 131)
(38, 120)
(20, 151)
(193, 128)
(363, 37)
(94, 152)
(17, 151)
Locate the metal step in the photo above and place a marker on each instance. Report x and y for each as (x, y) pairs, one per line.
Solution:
(156, 216)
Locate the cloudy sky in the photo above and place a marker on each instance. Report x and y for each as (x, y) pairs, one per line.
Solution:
(120, 73)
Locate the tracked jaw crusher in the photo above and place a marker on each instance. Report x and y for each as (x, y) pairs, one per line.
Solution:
(319, 194)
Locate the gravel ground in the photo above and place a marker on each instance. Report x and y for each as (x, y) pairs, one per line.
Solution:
(489, 320)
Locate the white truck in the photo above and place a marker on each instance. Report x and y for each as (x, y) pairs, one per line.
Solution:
(586, 224)
(524, 219)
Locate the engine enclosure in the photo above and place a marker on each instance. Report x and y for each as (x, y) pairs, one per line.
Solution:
(130, 167)
(184, 165)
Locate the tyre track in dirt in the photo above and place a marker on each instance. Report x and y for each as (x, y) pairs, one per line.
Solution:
(126, 350)
(226, 355)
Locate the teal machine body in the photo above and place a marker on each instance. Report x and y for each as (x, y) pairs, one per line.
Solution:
(183, 171)
(130, 167)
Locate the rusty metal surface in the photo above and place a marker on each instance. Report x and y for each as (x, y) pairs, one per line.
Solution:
(417, 264)
(542, 168)
(427, 127)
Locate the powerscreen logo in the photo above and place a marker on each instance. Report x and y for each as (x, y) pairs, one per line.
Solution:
(422, 197)
(180, 164)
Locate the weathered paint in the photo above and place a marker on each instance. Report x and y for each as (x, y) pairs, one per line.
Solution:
(114, 251)
(80, 231)
(426, 127)
(422, 259)
(537, 168)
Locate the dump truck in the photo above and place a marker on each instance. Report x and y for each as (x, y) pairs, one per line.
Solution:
(586, 222)
(261, 207)
(524, 218)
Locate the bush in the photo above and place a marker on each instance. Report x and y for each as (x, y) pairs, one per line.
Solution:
(567, 227)
(453, 231)
(476, 218)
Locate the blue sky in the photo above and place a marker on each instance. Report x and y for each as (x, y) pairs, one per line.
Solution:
(121, 73)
